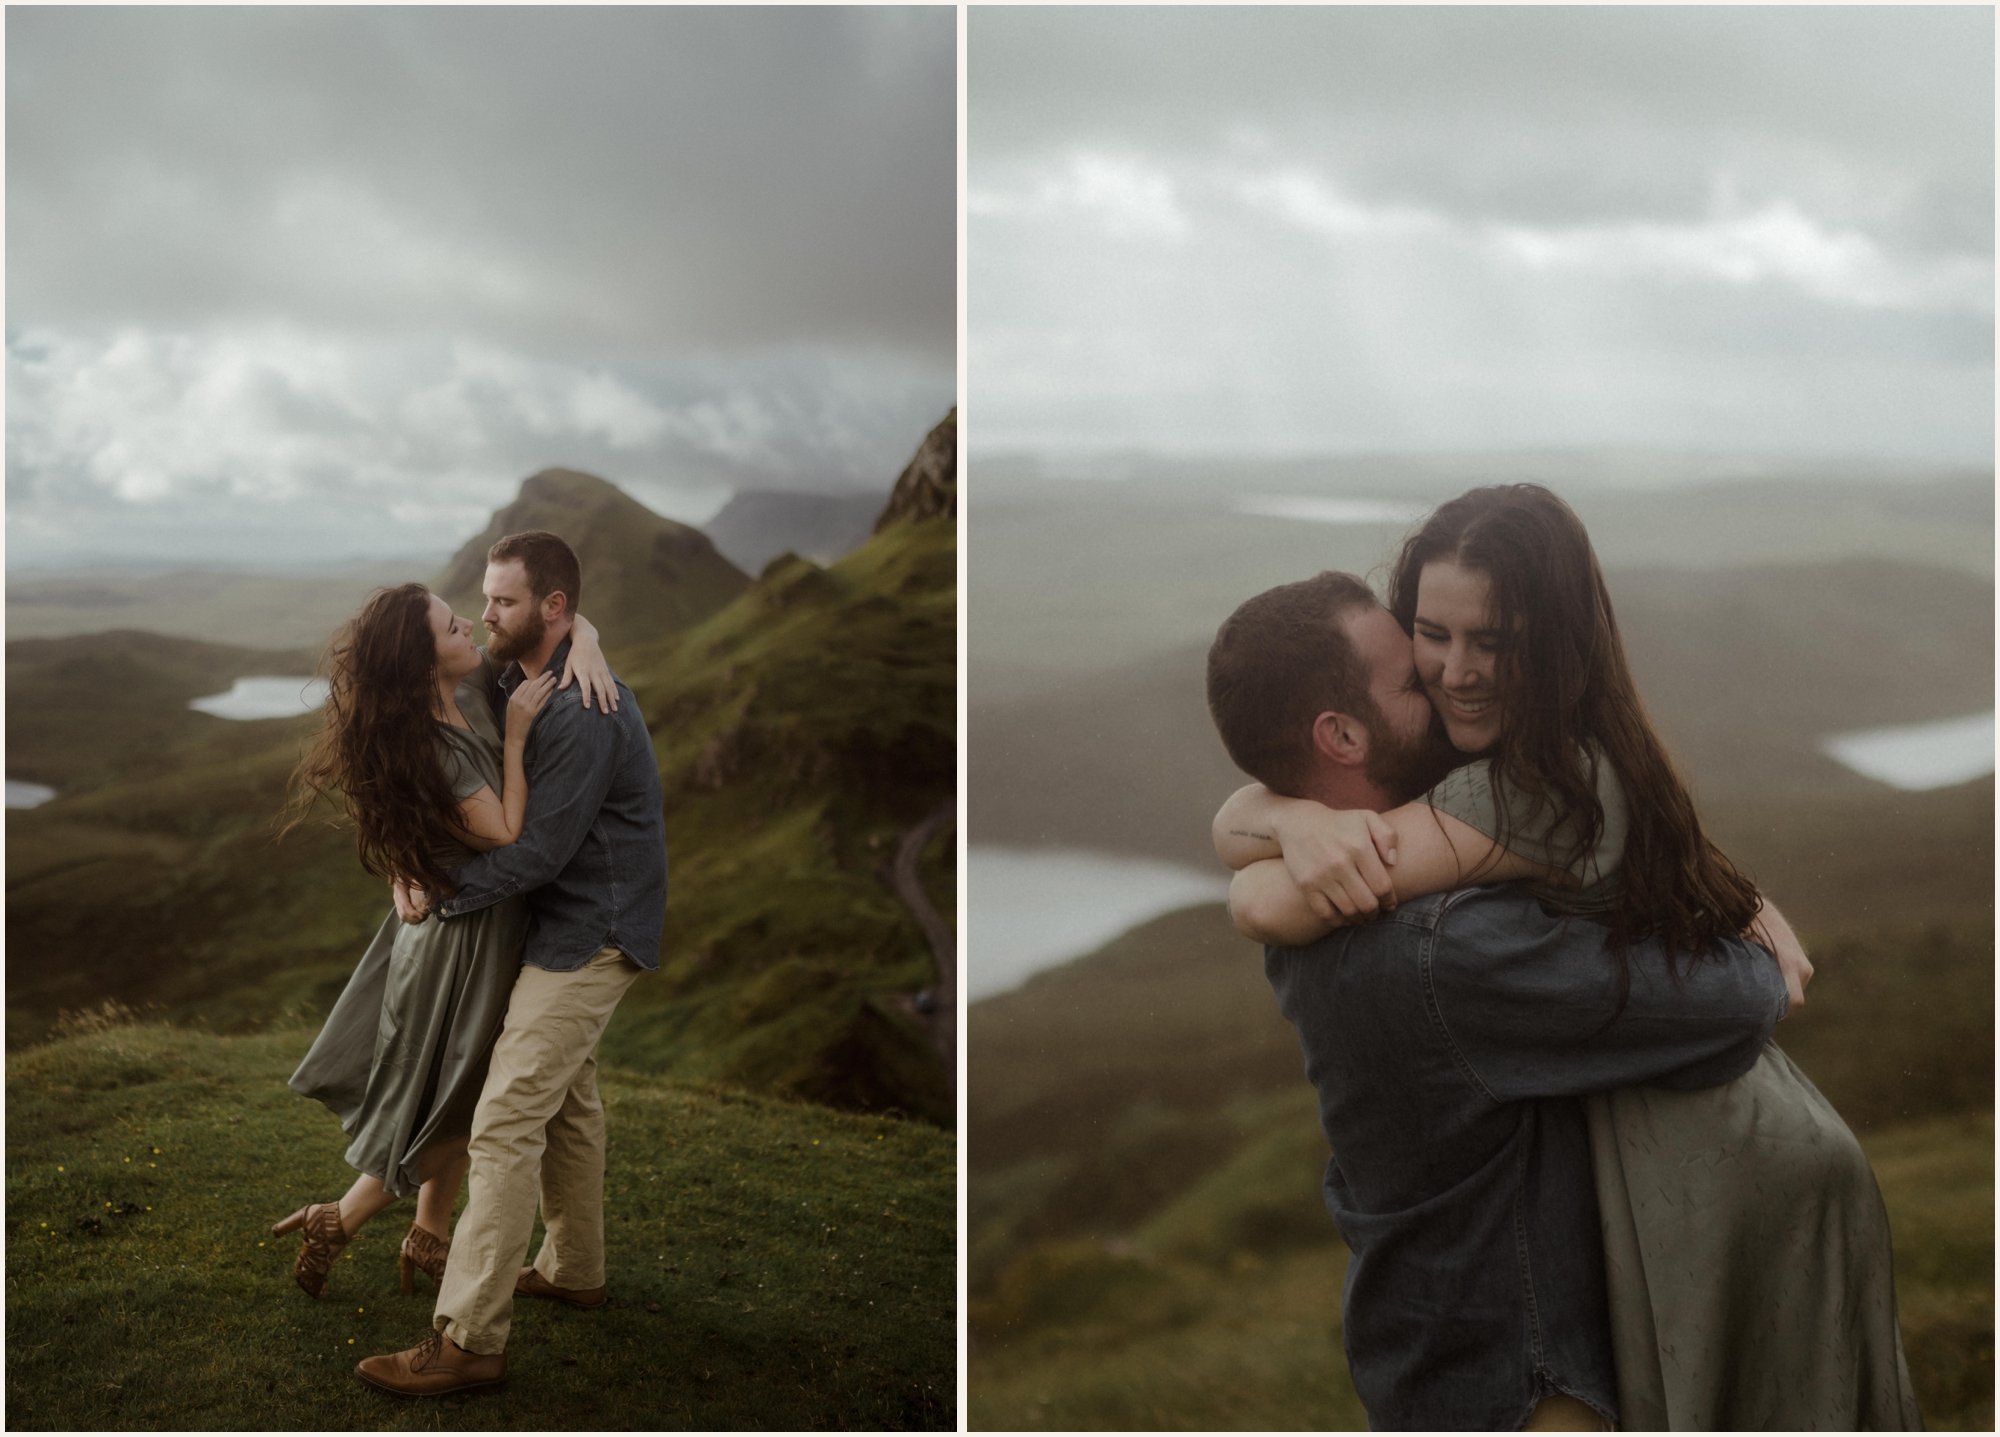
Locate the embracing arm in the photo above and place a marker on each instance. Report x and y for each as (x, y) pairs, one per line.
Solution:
(586, 666)
(575, 759)
(1336, 867)
(487, 820)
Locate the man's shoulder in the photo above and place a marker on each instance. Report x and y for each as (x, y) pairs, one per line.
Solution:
(564, 709)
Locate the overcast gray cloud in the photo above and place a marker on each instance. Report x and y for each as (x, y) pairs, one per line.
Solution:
(1290, 229)
(385, 261)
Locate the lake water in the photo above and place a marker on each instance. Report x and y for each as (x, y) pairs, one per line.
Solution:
(1317, 510)
(1027, 909)
(1921, 755)
(27, 795)
(264, 696)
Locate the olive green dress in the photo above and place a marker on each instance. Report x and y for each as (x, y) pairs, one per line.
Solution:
(403, 1054)
(1746, 1247)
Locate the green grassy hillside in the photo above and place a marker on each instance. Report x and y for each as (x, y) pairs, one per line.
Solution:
(802, 727)
(91, 710)
(800, 732)
(772, 1265)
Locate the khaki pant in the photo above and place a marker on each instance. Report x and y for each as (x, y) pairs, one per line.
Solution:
(539, 1114)
(1558, 1412)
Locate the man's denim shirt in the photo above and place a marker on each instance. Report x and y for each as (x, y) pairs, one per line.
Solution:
(592, 856)
(1448, 1042)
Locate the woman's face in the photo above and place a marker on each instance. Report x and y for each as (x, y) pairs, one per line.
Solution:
(1457, 650)
(457, 655)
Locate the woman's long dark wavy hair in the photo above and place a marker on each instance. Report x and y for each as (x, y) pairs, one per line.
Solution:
(1566, 695)
(378, 748)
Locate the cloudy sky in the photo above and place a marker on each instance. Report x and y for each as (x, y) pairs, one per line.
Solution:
(325, 282)
(1286, 230)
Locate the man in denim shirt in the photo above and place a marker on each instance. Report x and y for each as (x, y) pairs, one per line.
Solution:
(592, 860)
(1447, 1042)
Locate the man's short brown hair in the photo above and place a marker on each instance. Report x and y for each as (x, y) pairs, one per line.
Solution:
(1278, 663)
(550, 564)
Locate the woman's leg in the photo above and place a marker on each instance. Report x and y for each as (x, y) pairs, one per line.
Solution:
(362, 1201)
(444, 1174)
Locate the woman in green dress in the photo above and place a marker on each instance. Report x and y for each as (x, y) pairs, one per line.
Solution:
(1746, 1247)
(412, 746)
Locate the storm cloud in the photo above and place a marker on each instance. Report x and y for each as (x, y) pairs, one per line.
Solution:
(377, 264)
(1299, 229)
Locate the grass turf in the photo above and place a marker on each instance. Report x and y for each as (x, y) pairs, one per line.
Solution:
(773, 1264)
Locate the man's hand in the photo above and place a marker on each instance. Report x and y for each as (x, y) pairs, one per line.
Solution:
(1339, 859)
(413, 905)
(1770, 929)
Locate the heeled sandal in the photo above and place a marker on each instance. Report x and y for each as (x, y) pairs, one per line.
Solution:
(424, 1252)
(323, 1236)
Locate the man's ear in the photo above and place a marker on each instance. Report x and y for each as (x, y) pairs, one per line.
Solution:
(1340, 738)
(555, 605)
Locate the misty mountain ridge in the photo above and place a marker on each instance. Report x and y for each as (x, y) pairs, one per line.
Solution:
(642, 569)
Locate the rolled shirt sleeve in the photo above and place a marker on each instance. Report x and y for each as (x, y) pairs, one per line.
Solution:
(573, 761)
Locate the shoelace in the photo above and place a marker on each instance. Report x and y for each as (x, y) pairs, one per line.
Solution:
(427, 1351)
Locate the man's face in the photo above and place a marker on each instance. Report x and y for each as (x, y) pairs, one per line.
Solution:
(1405, 755)
(514, 622)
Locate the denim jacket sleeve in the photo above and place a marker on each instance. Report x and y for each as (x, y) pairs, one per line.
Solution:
(571, 760)
(1530, 1005)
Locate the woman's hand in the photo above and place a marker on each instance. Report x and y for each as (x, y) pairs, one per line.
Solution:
(1770, 929)
(527, 701)
(1339, 858)
(413, 905)
(586, 666)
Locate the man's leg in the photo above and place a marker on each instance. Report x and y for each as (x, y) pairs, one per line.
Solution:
(553, 1023)
(572, 1254)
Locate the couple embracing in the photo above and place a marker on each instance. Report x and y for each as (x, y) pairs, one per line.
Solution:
(1579, 1186)
(520, 823)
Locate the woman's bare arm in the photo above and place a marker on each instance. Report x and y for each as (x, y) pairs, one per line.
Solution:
(587, 667)
(1433, 852)
(487, 820)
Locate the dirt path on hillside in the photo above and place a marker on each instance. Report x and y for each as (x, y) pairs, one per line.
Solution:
(942, 1019)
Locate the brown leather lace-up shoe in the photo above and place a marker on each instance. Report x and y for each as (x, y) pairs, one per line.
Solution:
(532, 1284)
(432, 1368)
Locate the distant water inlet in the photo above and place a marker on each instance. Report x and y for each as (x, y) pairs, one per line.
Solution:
(1033, 908)
(1921, 755)
(264, 696)
(1318, 509)
(27, 795)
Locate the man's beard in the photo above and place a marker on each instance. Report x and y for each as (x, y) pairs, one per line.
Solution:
(1409, 769)
(512, 643)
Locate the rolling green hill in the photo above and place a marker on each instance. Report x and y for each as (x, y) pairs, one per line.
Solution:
(804, 723)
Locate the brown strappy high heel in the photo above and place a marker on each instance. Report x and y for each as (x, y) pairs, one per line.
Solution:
(324, 1238)
(423, 1251)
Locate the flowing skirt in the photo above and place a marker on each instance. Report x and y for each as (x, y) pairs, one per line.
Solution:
(403, 1054)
